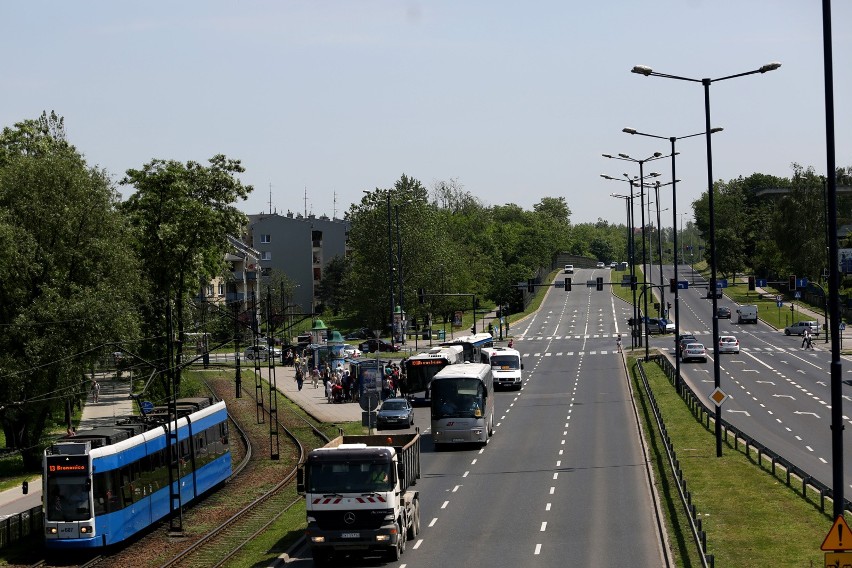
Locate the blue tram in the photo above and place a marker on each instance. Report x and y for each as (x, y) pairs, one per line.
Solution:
(104, 485)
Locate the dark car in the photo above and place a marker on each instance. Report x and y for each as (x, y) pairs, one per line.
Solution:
(710, 293)
(723, 312)
(395, 412)
(373, 345)
(683, 339)
(363, 333)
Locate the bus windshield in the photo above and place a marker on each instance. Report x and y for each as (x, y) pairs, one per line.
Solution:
(505, 362)
(457, 398)
(419, 374)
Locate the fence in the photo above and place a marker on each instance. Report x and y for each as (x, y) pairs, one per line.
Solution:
(22, 526)
(703, 413)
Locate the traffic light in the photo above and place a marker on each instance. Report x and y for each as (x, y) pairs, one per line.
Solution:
(421, 295)
(672, 285)
(25, 486)
(473, 329)
(530, 285)
(633, 283)
(751, 283)
(600, 283)
(792, 282)
(567, 284)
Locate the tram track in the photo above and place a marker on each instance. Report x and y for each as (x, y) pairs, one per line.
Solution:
(226, 540)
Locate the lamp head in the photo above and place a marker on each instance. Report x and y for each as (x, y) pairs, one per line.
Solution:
(717, 129)
(606, 155)
(625, 156)
(657, 154)
(770, 67)
(654, 174)
(642, 70)
(629, 130)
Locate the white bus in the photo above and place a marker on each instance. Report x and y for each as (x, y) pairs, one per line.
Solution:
(506, 365)
(472, 345)
(463, 404)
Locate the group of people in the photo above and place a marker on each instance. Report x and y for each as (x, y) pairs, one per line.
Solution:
(807, 341)
(391, 381)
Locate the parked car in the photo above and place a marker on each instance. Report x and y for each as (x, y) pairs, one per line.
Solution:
(351, 351)
(373, 345)
(694, 352)
(723, 312)
(729, 344)
(799, 328)
(666, 326)
(395, 412)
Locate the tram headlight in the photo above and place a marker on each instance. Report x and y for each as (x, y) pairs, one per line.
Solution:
(51, 530)
(85, 529)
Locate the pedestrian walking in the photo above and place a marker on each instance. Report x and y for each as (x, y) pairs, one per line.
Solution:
(511, 343)
(299, 378)
(96, 390)
(806, 339)
(618, 343)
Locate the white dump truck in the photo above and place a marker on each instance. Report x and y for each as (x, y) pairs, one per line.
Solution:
(359, 498)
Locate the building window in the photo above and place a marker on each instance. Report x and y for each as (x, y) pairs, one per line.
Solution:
(221, 288)
(266, 255)
(210, 290)
(266, 238)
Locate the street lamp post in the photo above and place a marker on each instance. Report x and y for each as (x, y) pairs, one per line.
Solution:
(631, 253)
(647, 71)
(625, 157)
(674, 181)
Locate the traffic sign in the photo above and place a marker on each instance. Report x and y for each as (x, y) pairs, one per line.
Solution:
(683, 284)
(839, 537)
(779, 303)
(718, 396)
(797, 295)
(147, 406)
(760, 282)
(838, 559)
(722, 283)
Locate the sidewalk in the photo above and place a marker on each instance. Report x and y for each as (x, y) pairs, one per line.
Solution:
(312, 400)
(113, 401)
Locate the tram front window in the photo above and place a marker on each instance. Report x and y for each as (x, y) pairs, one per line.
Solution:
(67, 499)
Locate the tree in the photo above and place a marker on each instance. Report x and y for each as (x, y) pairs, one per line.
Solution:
(181, 214)
(67, 276)
(330, 292)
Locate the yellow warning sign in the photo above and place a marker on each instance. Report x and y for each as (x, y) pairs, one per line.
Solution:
(838, 560)
(839, 537)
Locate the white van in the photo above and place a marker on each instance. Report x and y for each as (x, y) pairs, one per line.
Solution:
(747, 314)
(569, 269)
(506, 366)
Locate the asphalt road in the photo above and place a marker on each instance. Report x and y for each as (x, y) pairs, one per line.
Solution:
(779, 393)
(563, 482)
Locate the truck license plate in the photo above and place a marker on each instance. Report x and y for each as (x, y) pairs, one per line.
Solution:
(350, 535)
(458, 439)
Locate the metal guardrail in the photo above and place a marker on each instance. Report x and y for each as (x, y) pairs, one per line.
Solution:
(703, 413)
(763, 452)
(22, 526)
(695, 523)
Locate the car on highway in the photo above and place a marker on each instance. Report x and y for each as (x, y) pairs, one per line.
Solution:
(729, 344)
(395, 412)
(799, 328)
(374, 345)
(710, 293)
(569, 269)
(613, 264)
(653, 325)
(723, 312)
(694, 352)
(683, 339)
(666, 325)
(601, 265)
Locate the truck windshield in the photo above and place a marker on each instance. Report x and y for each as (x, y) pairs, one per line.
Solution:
(349, 477)
(67, 499)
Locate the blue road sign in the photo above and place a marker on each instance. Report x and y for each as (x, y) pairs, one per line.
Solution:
(779, 303)
(147, 406)
(801, 283)
(760, 282)
(683, 284)
(797, 295)
(722, 283)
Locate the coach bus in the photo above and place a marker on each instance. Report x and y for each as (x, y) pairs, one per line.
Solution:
(472, 345)
(421, 368)
(463, 404)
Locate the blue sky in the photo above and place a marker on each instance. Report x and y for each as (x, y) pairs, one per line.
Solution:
(515, 101)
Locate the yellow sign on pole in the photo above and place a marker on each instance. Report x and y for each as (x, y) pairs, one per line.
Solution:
(838, 560)
(839, 537)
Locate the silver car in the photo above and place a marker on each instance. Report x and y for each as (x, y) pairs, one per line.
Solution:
(694, 352)
(729, 344)
(799, 328)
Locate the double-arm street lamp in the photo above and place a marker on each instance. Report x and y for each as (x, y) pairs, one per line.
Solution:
(648, 72)
(625, 157)
(674, 181)
(631, 258)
